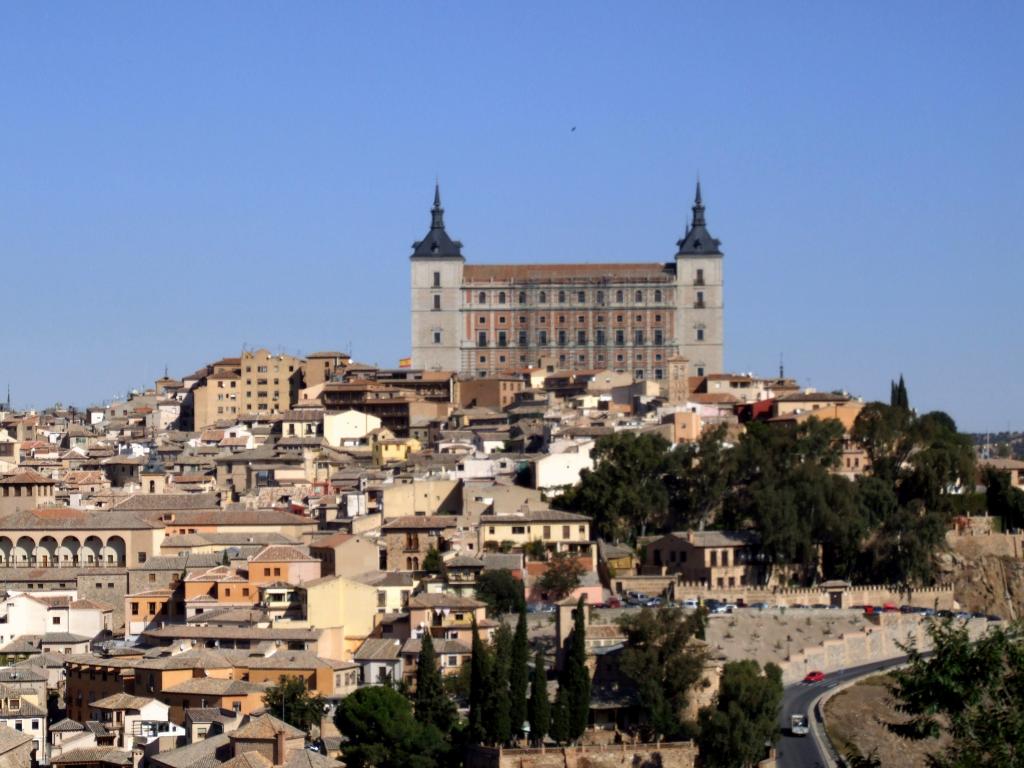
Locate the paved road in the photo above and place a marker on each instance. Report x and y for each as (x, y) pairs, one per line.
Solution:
(803, 751)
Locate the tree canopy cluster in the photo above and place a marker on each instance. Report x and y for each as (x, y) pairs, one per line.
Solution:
(970, 690)
(291, 701)
(782, 481)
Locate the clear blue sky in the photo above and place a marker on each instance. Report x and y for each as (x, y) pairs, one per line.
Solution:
(179, 179)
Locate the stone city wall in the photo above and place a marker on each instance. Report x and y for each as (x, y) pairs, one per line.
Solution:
(883, 640)
(940, 598)
(681, 754)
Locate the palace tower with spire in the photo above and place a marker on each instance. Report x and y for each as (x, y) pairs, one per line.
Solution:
(481, 319)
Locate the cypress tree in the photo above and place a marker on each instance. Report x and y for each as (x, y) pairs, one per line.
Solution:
(433, 707)
(558, 729)
(901, 391)
(496, 720)
(893, 397)
(575, 679)
(478, 680)
(518, 674)
(539, 706)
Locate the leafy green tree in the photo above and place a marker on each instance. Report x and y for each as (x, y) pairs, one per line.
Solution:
(539, 707)
(625, 494)
(502, 591)
(518, 675)
(971, 690)
(562, 575)
(1002, 499)
(479, 679)
(574, 680)
(497, 724)
(664, 664)
(433, 706)
(697, 478)
(291, 701)
(432, 562)
(381, 731)
(744, 719)
(535, 550)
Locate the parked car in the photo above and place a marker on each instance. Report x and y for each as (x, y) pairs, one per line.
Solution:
(715, 606)
(889, 607)
(611, 602)
(814, 677)
(759, 606)
(688, 604)
(654, 602)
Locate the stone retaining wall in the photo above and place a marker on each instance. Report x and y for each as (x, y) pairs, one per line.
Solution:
(682, 754)
(881, 641)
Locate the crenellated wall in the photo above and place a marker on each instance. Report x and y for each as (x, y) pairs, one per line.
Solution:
(884, 639)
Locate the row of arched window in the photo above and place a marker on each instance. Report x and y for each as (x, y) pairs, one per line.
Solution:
(563, 297)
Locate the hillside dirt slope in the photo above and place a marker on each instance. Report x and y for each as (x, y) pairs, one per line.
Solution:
(856, 720)
(987, 573)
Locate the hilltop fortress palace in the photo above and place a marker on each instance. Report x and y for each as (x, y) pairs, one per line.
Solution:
(633, 317)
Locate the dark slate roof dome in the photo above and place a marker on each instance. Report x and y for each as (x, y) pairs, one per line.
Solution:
(698, 241)
(437, 244)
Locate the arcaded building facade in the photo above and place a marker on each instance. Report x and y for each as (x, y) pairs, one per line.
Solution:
(480, 319)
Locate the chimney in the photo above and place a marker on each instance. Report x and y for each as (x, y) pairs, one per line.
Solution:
(279, 746)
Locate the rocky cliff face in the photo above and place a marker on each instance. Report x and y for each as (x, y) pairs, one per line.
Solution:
(987, 573)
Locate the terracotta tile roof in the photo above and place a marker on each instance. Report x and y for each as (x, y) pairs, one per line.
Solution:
(66, 518)
(196, 755)
(121, 701)
(375, 649)
(282, 554)
(170, 502)
(87, 604)
(249, 759)
(421, 522)
(89, 755)
(25, 477)
(196, 658)
(176, 632)
(215, 686)
(412, 646)
(67, 725)
(266, 727)
(435, 600)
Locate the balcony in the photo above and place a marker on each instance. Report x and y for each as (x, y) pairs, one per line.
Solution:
(698, 305)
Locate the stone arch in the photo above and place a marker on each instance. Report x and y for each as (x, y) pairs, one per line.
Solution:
(6, 550)
(90, 553)
(23, 550)
(45, 553)
(114, 551)
(70, 550)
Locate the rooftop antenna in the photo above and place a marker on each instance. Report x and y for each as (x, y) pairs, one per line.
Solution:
(782, 368)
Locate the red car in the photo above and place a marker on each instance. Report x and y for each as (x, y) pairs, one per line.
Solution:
(814, 677)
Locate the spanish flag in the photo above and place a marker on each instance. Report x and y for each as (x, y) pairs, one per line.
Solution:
(405, 362)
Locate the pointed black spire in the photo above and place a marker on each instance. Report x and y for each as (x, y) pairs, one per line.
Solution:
(437, 243)
(697, 240)
(698, 208)
(437, 212)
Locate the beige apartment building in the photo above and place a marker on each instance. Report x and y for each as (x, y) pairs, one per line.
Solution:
(319, 367)
(269, 383)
